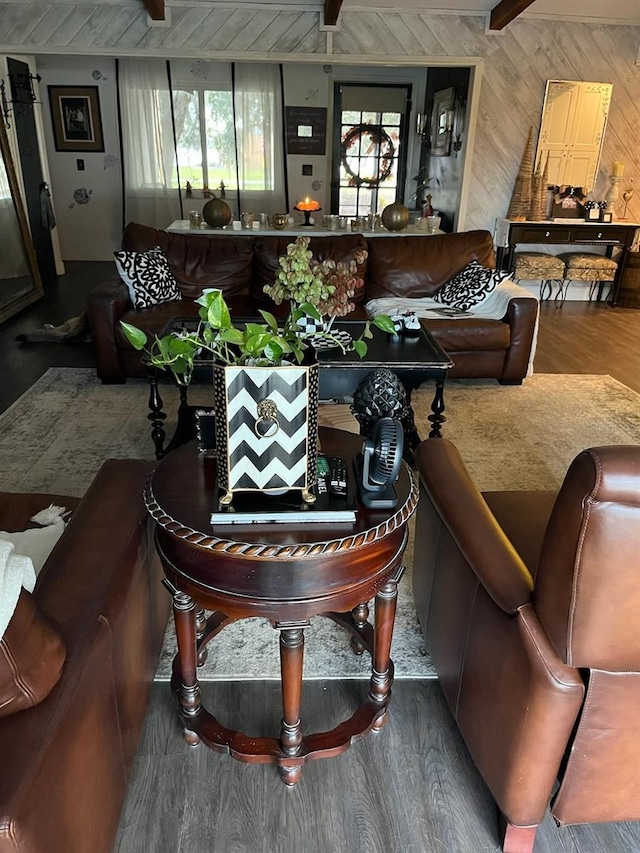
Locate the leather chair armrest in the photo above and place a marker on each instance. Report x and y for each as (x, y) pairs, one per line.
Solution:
(522, 316)
(105, 305)
(517, 705)
(471, 524)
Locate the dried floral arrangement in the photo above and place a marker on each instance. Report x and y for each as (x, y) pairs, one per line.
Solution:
(330, 286)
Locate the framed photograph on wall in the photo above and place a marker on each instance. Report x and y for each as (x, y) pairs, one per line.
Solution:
(75, 113)
(442, 123)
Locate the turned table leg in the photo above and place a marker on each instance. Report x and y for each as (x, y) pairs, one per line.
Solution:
(360, 615)
(184, 614)
(156, 415)
(291, 663)
(385, 614)
(437, 417)
(201, 628)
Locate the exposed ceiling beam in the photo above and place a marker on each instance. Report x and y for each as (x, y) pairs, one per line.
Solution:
(155, 8)
(331, 12)
(506, 11)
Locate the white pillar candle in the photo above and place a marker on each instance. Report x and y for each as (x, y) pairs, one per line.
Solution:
(618, 169)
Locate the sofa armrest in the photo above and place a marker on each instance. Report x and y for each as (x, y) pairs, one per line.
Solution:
(105, 305)
(522, 317)
(471, 524)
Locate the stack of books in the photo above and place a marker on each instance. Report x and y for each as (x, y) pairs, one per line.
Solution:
(335, 505)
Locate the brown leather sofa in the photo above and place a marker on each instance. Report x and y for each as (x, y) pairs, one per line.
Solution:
(529, 602)
(408, 266)
(64, 762)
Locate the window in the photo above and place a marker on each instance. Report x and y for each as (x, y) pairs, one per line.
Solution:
(369, 146)
(205, 138)
(369, 161)
(231, 134)
(223, 133)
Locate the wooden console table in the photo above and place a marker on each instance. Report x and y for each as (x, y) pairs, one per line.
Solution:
(286, 573)
(182, 226)
(613, 235)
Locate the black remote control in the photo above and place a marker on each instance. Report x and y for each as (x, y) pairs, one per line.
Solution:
(338, 475)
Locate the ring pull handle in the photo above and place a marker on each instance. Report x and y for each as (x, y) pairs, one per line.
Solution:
(267, 424)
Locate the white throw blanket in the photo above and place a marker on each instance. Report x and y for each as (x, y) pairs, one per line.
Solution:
(16, 572)
(493, 307)
(22, 555)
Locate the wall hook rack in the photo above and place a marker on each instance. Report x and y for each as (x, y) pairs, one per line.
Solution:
(21, 94)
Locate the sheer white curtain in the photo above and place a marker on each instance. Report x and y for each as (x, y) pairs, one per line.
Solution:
(151, 195)
(257, 99)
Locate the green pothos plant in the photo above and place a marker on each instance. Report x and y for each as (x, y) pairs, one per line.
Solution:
(265, 344)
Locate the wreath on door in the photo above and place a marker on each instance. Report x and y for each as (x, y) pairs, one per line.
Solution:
(366, 138)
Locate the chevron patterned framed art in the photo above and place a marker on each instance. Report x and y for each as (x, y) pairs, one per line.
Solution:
(266, 428)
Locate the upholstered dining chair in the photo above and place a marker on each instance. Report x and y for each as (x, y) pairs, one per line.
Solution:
(530, 605)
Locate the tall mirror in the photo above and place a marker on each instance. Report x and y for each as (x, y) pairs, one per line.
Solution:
(20, 282)
(574, 118)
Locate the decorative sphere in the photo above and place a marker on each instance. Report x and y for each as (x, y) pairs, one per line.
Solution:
(216, 213)
(395, 216)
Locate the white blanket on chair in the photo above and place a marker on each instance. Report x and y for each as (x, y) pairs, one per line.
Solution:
(22, 556)
(16, 572)
(493, 307)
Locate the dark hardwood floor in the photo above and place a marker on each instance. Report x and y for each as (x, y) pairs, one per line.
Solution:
(410, 789)
(22, 363)
(583, 337)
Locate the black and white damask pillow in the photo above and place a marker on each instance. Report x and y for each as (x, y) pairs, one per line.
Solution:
(470, 286)
(147, 276)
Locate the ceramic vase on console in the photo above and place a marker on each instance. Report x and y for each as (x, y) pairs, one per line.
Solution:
(395, 216)
(216, 213)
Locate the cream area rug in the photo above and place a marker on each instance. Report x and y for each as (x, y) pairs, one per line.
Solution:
(56, 436)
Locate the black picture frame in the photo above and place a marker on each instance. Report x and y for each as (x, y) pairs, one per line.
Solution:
(306, 130)
(76, 119)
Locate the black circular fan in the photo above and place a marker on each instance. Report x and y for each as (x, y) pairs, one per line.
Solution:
(380, 464)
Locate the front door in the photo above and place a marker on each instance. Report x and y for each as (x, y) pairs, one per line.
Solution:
(369, 147)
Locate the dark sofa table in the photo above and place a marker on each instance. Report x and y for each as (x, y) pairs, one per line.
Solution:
(414, 360)
(619, 234)
(286, 573)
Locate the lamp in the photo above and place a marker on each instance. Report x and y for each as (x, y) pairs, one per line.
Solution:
(307, 206)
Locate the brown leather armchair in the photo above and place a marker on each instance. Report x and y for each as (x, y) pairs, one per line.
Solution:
(530, 605)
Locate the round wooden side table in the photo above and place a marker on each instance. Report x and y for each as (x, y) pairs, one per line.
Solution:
(286, 573)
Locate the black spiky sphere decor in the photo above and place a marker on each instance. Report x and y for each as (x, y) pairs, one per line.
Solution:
(379, 395)
(382, 395)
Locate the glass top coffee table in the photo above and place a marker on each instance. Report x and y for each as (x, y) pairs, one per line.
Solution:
(414, 360)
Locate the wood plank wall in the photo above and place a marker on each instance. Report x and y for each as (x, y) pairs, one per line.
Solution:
(514, 66)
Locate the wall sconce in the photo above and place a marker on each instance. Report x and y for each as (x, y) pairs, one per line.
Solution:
(459, 112)
(448, 121)
(421, 121)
